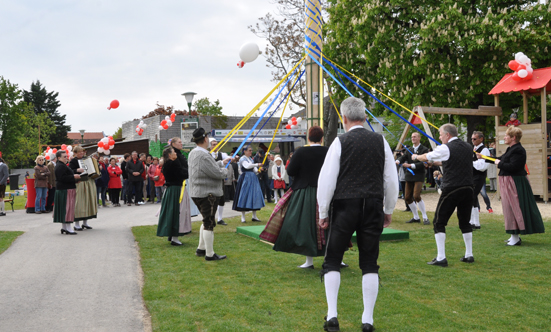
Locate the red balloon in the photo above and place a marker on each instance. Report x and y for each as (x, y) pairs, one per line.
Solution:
(48, 157)
(112, 141)
(240, 64)
(294, 119)
(521, 67)
(513, 65)
(63, 146)
(529, 76)
(54, 150)
(114, 104)
(516, 77)
(295, 123)
(110, 137)
(288, 127)
(100, 144)
(140, 133)
(173, 117)
(165, 126)
(163, 123)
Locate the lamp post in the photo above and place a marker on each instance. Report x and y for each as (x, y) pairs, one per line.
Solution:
(189, 98)
(82, 135)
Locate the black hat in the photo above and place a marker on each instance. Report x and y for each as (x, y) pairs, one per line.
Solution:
(198, 134)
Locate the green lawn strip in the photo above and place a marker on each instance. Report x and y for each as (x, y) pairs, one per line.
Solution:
(258, 289)
(6, 239)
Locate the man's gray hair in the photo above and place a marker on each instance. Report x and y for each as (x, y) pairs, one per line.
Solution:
(479, 134)
(354, 109)
(450, 129)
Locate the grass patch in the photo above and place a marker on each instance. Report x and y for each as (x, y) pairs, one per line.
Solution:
(258, 289)
(6, 239)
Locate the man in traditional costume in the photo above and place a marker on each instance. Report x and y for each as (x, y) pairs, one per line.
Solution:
(357, 178)
(206, 175)
(457, 191)
(480, 166)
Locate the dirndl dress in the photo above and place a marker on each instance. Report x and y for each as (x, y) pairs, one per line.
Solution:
(64, 205)
(520, 210)
(86, 203)
(248, 194)
(169, 218)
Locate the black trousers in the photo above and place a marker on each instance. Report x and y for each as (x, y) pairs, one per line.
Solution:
(207, 206)
(222, 199)
(50, 199)
(478, 183)
(265, 186)
(114, 194)
(452, 198)
(366, 218)
(137, 187)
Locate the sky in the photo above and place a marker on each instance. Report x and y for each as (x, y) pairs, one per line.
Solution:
(138, 52)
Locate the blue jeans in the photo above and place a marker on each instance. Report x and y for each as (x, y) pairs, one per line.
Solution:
(102, 190)
(159, 193)
(40, 201)
(485, 197)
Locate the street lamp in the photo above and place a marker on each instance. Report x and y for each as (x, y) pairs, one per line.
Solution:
(82, 135)
(189, 98)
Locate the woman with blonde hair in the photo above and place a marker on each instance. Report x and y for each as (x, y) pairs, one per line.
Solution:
(41, 173)
(86, 202)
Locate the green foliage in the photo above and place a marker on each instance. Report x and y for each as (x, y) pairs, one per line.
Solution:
(438, 53)
(43, 101)
(118, 133)
(204, 107)
(219, 122)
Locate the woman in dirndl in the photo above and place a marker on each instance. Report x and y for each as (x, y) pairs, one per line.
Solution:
(86, 203)
(65, 194)
(520, 210)
(169, 218)
(187, 207)
(248, 194)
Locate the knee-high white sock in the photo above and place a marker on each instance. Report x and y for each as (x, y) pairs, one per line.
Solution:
(332, 281)
(468, 238)
(175, 239)
(208, 237)
(77, 224)
(201, 240)
(85, 222)
(220, 212)
(243, 216)
(254, 215)
(440, 245)
(69, 227)
(421, 206)
(276, 194)
(2, 206)
(474, 217)
(370, 289)
(413, 208)
(309, 261)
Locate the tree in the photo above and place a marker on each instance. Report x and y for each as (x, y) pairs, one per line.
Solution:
(204, 107)
(46, 102)
(118, 133)
(438, 53)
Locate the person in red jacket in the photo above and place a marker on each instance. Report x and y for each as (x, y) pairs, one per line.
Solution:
(115, 183)
(151, 170)
(159, 180)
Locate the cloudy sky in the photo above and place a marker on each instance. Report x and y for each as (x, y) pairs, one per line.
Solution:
(139, 52)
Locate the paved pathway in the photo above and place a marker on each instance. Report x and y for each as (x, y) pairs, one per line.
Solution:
(88, 282)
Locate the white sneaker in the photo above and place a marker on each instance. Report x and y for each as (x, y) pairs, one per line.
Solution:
(141, 203)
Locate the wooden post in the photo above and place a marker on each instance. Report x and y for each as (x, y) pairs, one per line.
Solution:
(544, 153)
(314, 42)
(525, 106)
(498, 152)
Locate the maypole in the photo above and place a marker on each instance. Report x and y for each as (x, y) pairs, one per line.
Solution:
(313, 44)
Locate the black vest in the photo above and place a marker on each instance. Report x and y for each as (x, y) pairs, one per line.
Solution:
(458, 168)
(476, 173)
(243, 169)
(218, 156)
(361, 166)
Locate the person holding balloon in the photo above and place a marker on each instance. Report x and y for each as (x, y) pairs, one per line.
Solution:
(86, 201)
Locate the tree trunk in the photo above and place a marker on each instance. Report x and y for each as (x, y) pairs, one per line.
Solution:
(330, 122)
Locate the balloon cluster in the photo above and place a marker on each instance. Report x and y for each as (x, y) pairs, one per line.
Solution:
(106, 144)
(248, 53)
(114, 104)
(293, 123)
(141, 127)
(522, 66)
(167, 122)
(49, 153)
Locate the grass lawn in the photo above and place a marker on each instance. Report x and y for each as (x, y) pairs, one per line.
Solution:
(6, 239)
(258, 289)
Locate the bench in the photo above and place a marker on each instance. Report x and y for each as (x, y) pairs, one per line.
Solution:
(10, 200)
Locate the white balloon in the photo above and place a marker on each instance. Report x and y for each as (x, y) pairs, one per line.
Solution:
(529, 69)
(111, 147)
(144, 126)
(161, 128)
(169, 123)
(167, 118)
(105, 140)
(294, 127)
(290, 122)
(137, 130)
(299, 119)
(524, 59)
(69, 147)
(249, 52)
(107, 152)
(141, 122)
(100, 150)
(522, 73)
(518, 56)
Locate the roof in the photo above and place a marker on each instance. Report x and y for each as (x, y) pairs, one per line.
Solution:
(87, 135)
(541, 77)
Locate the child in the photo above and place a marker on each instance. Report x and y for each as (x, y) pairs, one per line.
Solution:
(278, 175)
(159, 180)
(513, 121)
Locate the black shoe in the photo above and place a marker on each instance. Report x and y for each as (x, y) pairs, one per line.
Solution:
(426, 221)
(78, 228)
(306, 267)
(170, 239)
(367, 327)
(215, 257)
(475, 227)
(87, 227)
(469, 259)
(222, 222)
(63, 231)
(442, 263)
(200, 252)
(256, 220)
(344, 265)
(516, 244)
(413, 220)
(176, 243)
(331, 325)
(2, 214)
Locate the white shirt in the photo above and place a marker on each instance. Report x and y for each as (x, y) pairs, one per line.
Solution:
(247, 163)
(441, 153)
(415, 148)
(330, 171)
(215, 155)
(481, 164)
